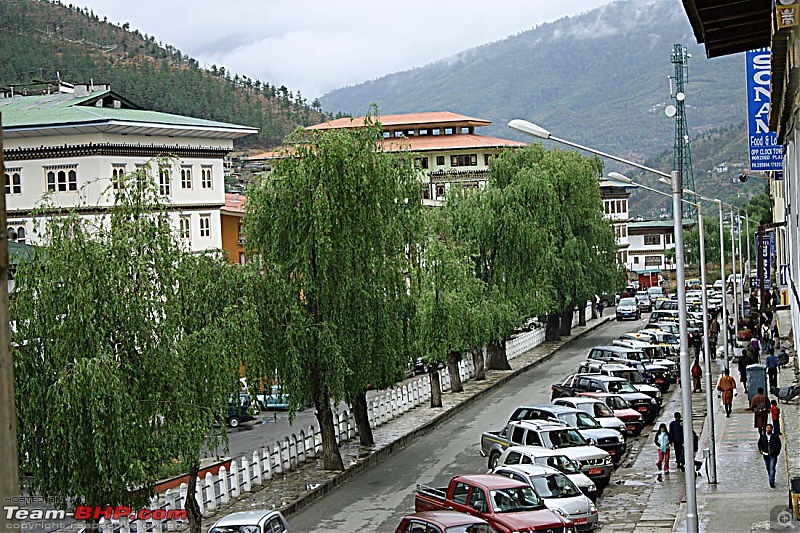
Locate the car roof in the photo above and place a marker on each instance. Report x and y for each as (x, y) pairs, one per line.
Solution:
(603, 377)
(624, 349)
(544, 425)
(579, 399)
(447, 519)
(554, 408)
(531, 470)
(493, 481)
(244, 518)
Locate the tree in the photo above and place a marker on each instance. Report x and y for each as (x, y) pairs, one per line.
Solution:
(509, 226)
(760, 209)
(117, 371)
(329, 222)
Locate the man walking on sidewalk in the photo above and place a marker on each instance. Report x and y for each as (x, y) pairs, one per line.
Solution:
(727, 386)
(697, 375)
(760, 407)
(676, 438)
(769, 444)
(772, 370)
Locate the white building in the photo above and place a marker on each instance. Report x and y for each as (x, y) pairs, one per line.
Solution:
(615, 196)
(71, 144)
(649, 243)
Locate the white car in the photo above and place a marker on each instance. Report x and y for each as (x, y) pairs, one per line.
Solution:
(537, 455)
(596, 408)
(558, 492)
(251, 522)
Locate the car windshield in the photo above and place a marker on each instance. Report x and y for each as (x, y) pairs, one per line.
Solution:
(617, 402)
(627, 301)
(620, 386)
(554, 486)
(586, 422)
(565, 438)
(633, 376)
(236, 529)
(515, 500)
(562, 463)
(655, 290)
(472, 528)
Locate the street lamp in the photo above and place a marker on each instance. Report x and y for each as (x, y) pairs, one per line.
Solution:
(712, 470)
(686, 393)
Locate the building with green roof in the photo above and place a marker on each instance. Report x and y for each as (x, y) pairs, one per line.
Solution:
(72, 143)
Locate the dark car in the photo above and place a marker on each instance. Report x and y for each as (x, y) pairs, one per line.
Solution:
(645, 305)
(241, 412)
(443, 522)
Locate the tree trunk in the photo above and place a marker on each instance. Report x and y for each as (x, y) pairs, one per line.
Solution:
(496, 356)
(552, 331)
(453, 358)
(331, 456)
(191, 506)
(477, 361)
(436, 387)
(361, 414)
(594, 310)
(566, 322)
(582, 315)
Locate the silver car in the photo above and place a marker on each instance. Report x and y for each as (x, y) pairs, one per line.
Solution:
(536, 455)
(558, 493)
(251, 522)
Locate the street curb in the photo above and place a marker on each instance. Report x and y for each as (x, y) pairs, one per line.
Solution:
(424, 429)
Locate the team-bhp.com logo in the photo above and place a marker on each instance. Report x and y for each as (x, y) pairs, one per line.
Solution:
(93, 512)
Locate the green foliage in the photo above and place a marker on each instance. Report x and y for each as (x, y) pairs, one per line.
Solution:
(333, 224)
(760, 209)
(120, 361)
(40, 39)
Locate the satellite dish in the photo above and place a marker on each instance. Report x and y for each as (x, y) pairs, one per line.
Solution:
(670, 111)
(680, 97)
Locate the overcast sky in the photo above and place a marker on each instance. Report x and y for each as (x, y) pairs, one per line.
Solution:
(318, 45)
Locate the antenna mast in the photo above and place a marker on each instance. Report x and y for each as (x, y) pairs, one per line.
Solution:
(682, 154)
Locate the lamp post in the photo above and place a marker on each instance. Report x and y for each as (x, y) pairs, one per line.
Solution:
(741, 262)
(733, 273)
(712, 463)
(724, 286)
(686, 393)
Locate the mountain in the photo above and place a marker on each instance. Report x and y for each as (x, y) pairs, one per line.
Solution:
(41, 41)
(599, 79)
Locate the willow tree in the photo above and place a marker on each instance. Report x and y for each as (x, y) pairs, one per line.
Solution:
(509, 226)
(102, 390)
(331, 223)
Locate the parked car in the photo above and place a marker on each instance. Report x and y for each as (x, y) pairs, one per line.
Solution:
(599, 410)
(634, 420)
(508, 505)
(645, 305)
(558, 493)
(609, 440)
(628, 308)
(595, 462)
(276, 400)
(669, 326)
(537, 455)
(577, 383)
(251, 522)
(664, 315)
(443, 522)
(656, 292)
(240, 412)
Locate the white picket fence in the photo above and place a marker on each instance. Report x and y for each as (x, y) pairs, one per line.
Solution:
(247, 474)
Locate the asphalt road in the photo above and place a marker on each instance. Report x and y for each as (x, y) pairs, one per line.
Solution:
(379, 498)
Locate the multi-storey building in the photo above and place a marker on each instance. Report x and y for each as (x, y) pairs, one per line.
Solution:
(615, 196)
(73, 144)
(231, 216)
(446, 148)
(649, 242)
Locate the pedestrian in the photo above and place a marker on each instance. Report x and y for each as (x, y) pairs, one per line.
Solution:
(760, 407)
(755, 348)
(662, 443)
(727, 386)
(776, 336)
(775, 414)
(713, 336)
(600, 307)
(731, 332)
(697, 374)
(769, 444)
(676, 438)
(772, 370)
(783, 357)
(742, 363)
(697, 342)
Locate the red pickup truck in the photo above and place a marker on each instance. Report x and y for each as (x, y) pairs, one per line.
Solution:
(508, 505)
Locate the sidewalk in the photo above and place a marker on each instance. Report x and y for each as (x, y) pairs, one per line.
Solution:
(299, 487)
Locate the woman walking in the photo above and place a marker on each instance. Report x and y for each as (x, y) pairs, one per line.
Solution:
(662, 442)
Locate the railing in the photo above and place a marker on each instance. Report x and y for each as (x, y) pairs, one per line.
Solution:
(248, 473)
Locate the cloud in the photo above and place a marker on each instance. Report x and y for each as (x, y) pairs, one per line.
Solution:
(316, 45)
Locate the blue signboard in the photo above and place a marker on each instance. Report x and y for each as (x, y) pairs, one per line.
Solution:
(765, 153)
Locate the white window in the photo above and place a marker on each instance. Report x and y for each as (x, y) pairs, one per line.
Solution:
(205, 178)
(185, 228)
(186, 177)
(205, 226)
(164, 185)
(13, 181)
(117, 172)
(61, 179)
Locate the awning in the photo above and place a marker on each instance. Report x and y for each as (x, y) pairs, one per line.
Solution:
(730, 26)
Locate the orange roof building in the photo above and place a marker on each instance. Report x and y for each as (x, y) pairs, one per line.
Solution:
(446, 148)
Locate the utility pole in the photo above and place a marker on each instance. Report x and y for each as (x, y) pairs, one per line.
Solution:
(9, 471)
(681, 154)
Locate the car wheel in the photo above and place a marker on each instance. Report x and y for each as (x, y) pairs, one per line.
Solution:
(233, 421)
(493, 458)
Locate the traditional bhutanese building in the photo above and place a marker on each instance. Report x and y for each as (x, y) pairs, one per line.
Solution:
(74, 143)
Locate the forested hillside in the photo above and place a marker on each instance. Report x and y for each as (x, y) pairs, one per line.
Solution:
(40, 41)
